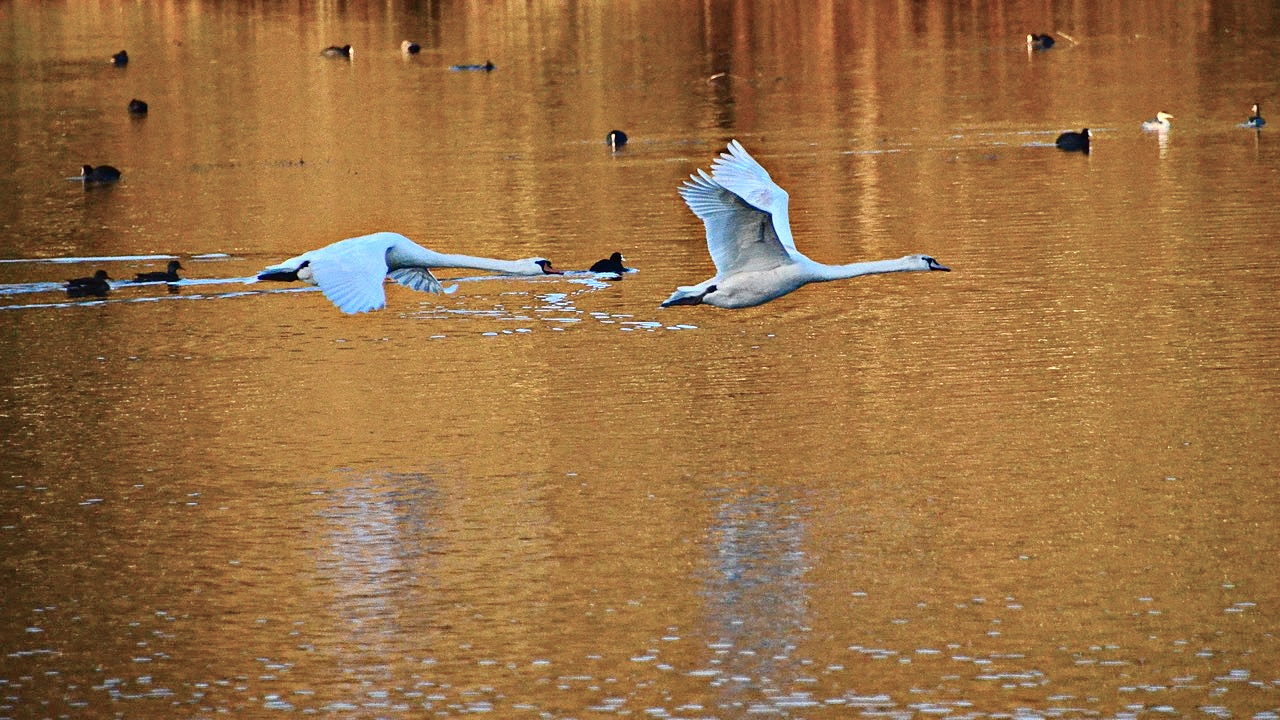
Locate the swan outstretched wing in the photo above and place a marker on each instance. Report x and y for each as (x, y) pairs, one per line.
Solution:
(351, 275)
(420, 279)
(740, 237)
(740, 174)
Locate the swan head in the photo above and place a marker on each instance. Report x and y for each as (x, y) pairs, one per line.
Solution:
(541, 266)
(924, 263)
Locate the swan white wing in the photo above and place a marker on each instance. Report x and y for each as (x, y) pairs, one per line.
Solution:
(740, 174)
(351, 275)
(740, 237)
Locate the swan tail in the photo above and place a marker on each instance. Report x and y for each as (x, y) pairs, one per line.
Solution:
(281, 274)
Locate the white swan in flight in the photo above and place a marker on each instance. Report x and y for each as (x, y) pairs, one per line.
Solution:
(351, 272)
(749, 237)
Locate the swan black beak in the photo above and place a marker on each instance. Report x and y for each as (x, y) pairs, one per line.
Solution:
(547, 269)
(935, 265)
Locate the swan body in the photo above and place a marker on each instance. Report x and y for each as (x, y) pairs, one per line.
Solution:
(616, 139)
(1159, 124)
(1255, 120)
(138, 107)
(120, 59)
(1040, 42)
(1074, 141)
(170, 275)
(335, 51)
(351, 272)
(749, 238)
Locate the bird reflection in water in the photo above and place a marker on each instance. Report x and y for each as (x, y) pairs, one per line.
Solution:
(757, 598)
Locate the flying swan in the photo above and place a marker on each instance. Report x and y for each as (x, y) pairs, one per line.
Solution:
(351, 272)
(749, 237)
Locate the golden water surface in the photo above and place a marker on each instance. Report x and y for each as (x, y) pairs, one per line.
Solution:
(1041, 485)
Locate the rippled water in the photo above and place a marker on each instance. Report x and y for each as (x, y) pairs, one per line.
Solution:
(1041, 485)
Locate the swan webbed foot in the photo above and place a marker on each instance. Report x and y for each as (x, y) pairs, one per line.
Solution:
(688, 296)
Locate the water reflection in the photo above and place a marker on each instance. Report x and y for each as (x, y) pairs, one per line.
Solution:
(757, 608)
(379, 536)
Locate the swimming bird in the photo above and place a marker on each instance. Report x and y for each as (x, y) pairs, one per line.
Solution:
(1071, 141)
(170, 275)
(1039, 42)
(616, 139)
(335, 51)
(612, 264)
(488, 66)
(138, 107)
(351, 272)
(120, 59)
(409, 47)
(102, 175)
(97, 286)
(749, 238)
(1159, 124)
(1255, 118)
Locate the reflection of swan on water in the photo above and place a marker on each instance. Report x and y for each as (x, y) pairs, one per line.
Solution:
(749, 237)
(757, 603)
(351, 272)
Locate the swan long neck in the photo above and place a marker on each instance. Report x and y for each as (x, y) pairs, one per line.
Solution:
(432, 258)
(875, 267)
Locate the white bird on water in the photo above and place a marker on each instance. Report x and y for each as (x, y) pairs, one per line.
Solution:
(749, 237)
(351, 272)
(1159, 124)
